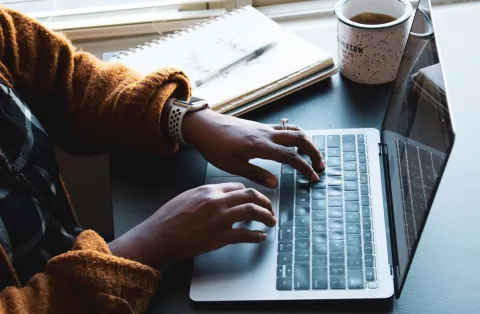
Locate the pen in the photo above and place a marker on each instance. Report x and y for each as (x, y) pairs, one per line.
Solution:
(253, 55)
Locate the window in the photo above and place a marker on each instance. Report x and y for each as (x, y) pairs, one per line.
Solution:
(88, 19)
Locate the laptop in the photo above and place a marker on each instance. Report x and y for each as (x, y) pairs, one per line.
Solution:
(353, 234)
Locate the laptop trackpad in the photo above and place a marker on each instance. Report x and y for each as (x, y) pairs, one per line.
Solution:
(271, 194)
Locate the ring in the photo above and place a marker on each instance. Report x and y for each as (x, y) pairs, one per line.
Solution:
(284, 123)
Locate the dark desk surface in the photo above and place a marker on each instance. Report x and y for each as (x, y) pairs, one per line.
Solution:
(444, 277)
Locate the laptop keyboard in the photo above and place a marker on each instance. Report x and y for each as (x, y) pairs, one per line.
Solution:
(419, 170)
(325, 233)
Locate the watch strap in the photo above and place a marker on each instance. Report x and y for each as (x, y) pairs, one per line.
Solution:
(175, 120)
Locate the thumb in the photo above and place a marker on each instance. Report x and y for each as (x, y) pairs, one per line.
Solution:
(255, 174)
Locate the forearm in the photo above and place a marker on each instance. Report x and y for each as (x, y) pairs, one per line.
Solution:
(87, 106)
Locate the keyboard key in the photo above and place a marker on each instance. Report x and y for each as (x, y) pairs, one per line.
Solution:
(319, 141)
(354, 251)
(348, 147)
(365, 211)
(336, 246)
(367, 223)
(334, 181)
(352, 217)
(361, 148)
(335, 202)
(319, 226)
(372, 285)
(369, 261)
(351, 196)
(305, 157)
(370, 274)
(350, 165)
(367, 236)
(334, 161)
(353, 229)
(333, 152)
(302, 245)
(285, 234)
(352, 207)
(302, 233)
(319, 204)
(333, 141)
(365, 200)
(302, 221)
(335, 223)
(301, 276)
(354, 263)
(284, 259)
(289, 271)
(350, 186)
(287, 169)
(362, 168)
(318, 195)
(302, 200)
(302, 191)
(319, 248)
(302, 211)
(286, 201)
(355, 279)
(334, 191)
(319, 278)
(280, 272)
(337, 258)
(362, 158)
(319, 215)
(348, 138)
(285, 247)
(335, 212)
(319, 237)
(302, 256)
(337, 282)
(354, 239)
(337, 270)
(284, 284)
(349, 156)
(333, 171)
(319, 261)
(368, 248)
(350, 176)
(302, 181)
(336, 234)
(363, 178)
(364, 189)
(322, 184)
(360, 138)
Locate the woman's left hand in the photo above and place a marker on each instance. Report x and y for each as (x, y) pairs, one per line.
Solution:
(229, 143)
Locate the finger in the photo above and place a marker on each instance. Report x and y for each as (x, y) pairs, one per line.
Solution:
(254, 173)
(245, 196)
(290, 127)
(249, 212)
(230, 186)
(303, 142)
(242, 235)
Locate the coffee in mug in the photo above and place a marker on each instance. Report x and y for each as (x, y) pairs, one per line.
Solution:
(371, 38)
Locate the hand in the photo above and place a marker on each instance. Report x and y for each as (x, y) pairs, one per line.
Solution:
(229, 143)
(195, 222)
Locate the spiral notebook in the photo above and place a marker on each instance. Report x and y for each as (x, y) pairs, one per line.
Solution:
(205, 47)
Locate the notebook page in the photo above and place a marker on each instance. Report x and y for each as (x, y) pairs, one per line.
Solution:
(199, 51)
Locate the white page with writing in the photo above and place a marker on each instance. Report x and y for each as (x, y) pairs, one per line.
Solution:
(207, 47)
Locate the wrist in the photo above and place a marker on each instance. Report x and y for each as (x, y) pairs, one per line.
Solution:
(195, 122)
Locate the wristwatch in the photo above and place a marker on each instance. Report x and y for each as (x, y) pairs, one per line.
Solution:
(179, 109)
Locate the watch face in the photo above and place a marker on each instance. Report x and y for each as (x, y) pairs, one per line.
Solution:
(195, 103)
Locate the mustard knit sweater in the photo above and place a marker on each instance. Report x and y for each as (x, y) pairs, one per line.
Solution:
(88, 107)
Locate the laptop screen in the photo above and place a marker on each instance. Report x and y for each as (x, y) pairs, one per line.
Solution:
(418, 135)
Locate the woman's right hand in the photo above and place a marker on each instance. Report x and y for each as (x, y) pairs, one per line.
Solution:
(195, 222)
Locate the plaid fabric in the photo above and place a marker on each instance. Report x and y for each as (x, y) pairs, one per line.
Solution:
(31, 232)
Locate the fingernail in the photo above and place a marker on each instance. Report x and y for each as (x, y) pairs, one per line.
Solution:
(274, 222)
(271, 183)
(315, 177)
(262, 236)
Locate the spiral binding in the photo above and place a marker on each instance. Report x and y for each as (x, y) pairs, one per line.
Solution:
(176, 34)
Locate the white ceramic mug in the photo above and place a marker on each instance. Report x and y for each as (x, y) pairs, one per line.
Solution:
(371, 54)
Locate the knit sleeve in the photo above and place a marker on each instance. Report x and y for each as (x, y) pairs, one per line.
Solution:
(86, 105)
(87, 279)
